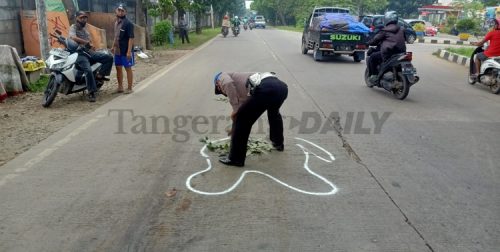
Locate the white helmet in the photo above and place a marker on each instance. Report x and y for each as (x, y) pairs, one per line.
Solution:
(236, 17)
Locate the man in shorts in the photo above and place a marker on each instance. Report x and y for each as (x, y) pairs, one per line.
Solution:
(123, 48)
(493, 49)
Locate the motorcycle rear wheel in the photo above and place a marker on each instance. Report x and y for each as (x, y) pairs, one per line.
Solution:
(495, 88)
(50, 92)
(402, 92)
(471, 80)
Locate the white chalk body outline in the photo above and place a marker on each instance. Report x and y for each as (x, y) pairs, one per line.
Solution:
(307, 153)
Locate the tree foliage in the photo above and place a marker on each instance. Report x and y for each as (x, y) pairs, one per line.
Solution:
(408, 8)
(286, 12)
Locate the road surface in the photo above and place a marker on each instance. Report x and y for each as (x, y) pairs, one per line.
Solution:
(361, 170)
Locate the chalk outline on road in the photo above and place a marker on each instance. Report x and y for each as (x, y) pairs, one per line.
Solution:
(307, 153)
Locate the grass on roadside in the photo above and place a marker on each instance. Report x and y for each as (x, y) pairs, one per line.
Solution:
(289, 28)
(195, 39)
(40, 84)
(464, 51)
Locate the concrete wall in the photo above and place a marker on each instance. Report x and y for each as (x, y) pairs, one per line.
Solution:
(106, 21)
(10, 24)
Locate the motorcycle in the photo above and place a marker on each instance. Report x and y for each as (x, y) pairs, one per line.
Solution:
(396, 75)
(251, 25)
(225, 31)
(245, 26)
(489, 74)
(65, 76)
(236, 31)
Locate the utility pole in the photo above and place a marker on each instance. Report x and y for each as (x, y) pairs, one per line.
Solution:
(41, 12)
(212, 14)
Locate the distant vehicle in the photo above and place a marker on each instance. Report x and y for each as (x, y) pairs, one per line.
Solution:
(376, 22)
(260, 21)
(430, 30)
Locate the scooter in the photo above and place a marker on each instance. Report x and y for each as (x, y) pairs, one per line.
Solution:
(65, 76)
(225, 31)
(236, 31)
(489, 74)
(396, 75)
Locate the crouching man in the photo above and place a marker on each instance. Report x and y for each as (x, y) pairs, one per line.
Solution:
(250, 94)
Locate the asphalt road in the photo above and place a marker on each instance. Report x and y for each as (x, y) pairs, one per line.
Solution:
(426, 179)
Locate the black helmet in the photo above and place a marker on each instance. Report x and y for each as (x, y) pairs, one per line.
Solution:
(391, 17)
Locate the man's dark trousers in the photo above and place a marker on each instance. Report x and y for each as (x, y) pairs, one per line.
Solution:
(269, 95)
(84, 63)
(374, 61)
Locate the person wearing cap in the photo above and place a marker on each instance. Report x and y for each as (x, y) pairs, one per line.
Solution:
(79, 33)
(250, 94)
(123, 48)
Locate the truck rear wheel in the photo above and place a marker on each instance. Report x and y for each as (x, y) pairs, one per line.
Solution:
(304, 47)
(317, 55)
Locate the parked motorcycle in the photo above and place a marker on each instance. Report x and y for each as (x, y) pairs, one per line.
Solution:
(225, 31)
(396, 75)
(236, 31)
(489, 74)
(65, 75)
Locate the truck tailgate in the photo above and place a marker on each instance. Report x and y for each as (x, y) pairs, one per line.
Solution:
(343, 41)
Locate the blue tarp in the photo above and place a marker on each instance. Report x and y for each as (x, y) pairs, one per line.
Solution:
(341, 22)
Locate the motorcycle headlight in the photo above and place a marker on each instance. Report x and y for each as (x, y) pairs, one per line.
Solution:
(57, 66)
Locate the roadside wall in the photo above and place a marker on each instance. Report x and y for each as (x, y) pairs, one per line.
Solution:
(10, 24)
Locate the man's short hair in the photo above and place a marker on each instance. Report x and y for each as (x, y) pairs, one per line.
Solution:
(81, 13)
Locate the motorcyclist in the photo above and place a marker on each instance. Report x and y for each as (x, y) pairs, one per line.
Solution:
(390, 40)
(493, 49)
(226, 23)
(235, 21)
(79, 34)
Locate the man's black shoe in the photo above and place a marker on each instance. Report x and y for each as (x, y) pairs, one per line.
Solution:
(227, 161)
(92, 97)
(279, 147)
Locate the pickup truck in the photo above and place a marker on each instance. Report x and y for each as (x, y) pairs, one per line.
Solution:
(335, 39)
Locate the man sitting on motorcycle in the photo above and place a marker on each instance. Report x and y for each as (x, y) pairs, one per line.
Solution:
(493, 49)
(81, 35)
(390, 40)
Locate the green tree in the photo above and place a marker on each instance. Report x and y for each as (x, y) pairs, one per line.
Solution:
(199, 8)
(470, 8)
(408, 8)
(490, 3)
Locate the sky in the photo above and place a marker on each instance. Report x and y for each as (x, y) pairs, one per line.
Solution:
(445, 1)
(247, 3)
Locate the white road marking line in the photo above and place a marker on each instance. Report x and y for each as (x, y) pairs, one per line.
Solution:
(307, 153)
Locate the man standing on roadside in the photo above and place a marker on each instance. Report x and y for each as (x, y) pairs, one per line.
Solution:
(183, 30)
(123, 48)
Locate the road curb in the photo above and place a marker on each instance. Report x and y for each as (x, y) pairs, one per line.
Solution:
(453, 57)
(445, 41)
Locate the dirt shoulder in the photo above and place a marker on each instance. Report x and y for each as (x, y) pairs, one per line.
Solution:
(24, 122)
